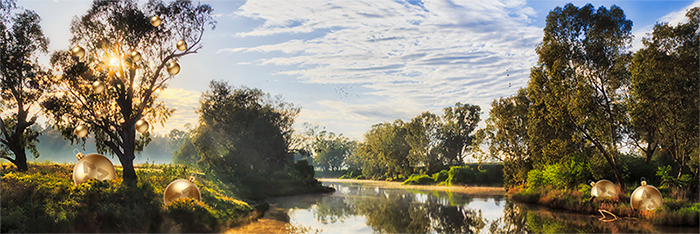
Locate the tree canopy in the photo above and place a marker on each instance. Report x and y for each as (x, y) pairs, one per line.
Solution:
(23, 82)
(130, 56)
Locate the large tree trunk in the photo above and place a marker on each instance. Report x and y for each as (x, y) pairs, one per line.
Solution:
(127, 159)
(129, 174)
(20, 156)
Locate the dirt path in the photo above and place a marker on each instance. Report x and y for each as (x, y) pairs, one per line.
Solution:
(483, 190)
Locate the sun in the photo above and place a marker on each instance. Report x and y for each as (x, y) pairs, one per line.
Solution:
(114, 62)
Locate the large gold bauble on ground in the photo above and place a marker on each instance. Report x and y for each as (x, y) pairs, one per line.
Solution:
(142, 126)
(646, 197)
(80, 131)
(135, 56)
(155, 21)
(93, 166)
(173, 68)
(604, 188)
(181, 45)
(78, 51)
(181, 188)
(98, 86)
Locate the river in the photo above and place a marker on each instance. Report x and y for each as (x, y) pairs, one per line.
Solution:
(361, 207)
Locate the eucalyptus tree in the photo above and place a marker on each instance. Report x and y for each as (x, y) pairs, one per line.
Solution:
(459, 123)
(506, 137)
(582, 77)
(664, 102)
(422, 136)
(244, 131)
(23, 82)
(122, 55)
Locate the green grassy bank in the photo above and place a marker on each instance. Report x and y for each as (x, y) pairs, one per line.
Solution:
(44, 199)
(679, 207)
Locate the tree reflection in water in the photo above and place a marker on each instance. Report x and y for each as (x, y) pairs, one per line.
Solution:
(396, 210)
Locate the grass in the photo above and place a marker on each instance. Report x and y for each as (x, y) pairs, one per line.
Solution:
(44, 199)
(678, 209)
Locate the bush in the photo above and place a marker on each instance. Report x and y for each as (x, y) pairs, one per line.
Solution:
(416, 179)
(460, 175)
(441, 176)
(193, 216)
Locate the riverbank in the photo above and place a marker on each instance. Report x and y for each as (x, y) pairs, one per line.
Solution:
(480, 190)
(44, 199)
(677, 210)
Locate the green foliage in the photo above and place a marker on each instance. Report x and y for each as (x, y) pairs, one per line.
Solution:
(416, 179)
(331, 150)
(395, 150)
(471, 174)
(243, 139)
(23, 82)
(459, 122)
(44, 199)
(577, 90)
(506, 137)
(385, 151)
(668, 181)
(113, 29)
(441, 176)
(664, 102)
(193, 215)
(187, 154)
(243, 131)
(562, 175)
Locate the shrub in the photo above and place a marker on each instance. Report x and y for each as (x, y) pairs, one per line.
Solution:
(441, 176)
(193, 216)
(419, 180)
(460, 175)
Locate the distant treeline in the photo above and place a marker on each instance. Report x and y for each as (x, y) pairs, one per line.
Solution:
(394, 151)
(52, 146)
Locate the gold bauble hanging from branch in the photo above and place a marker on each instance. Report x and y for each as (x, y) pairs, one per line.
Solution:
(155, 21)
(78, 52)
(173, 68)
(135, 56)
(142, 126)
(98, 87)
(181, 45)
(80, 131)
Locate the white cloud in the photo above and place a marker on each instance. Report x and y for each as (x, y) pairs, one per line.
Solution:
(425, 56)
(184, 102)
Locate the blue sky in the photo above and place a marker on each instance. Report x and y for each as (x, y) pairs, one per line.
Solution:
(352, 64)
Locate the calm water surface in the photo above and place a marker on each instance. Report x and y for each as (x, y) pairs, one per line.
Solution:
(372, 208)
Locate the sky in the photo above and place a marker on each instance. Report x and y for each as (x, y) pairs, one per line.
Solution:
(352, 64)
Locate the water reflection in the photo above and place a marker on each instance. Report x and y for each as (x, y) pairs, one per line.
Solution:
(370, 208)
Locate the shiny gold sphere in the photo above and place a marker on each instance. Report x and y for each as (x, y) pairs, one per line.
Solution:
(646, 197)
(80, 131)
(181, 188)
(173, 68)
(142, 126)
(155, 21)
(135, 56)
(604, 188)
(181, 45)
(93, 166)
(78, 52)
(98, 87)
